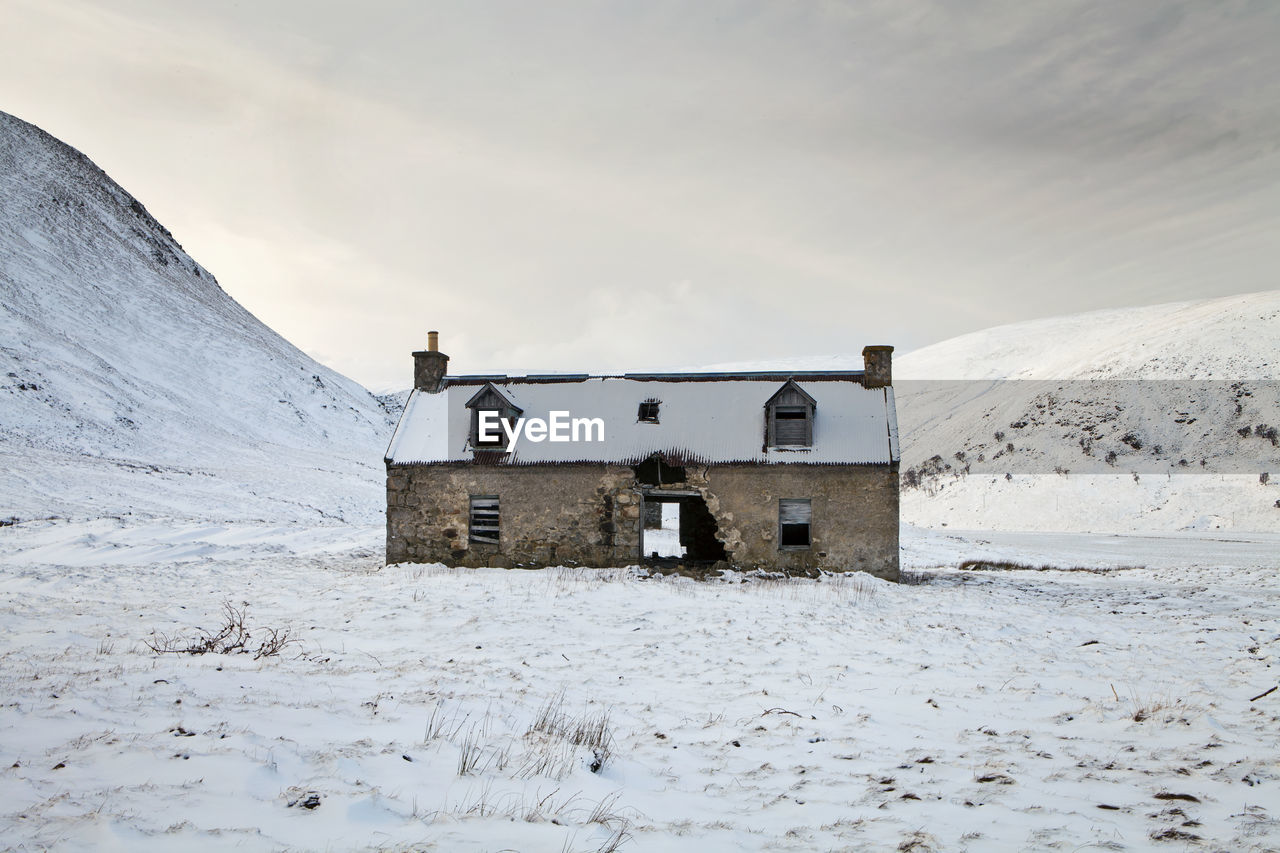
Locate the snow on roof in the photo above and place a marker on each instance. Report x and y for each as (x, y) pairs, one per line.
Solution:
(701, 419)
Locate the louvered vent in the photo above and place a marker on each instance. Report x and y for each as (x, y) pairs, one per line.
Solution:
(484, 519)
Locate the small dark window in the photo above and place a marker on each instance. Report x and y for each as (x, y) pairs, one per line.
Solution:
(794, 517)
(497, 436)
(648, 411)
(655, 471)
(484, 519)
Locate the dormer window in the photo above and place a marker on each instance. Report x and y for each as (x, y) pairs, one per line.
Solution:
(789, 417)
(490, 408)
(648, 412)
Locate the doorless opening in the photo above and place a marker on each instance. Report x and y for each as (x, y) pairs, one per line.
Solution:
(688, 532)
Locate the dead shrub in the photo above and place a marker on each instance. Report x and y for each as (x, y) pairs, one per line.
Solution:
(232, 637)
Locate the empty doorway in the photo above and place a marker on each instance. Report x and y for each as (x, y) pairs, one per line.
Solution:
(688, 531)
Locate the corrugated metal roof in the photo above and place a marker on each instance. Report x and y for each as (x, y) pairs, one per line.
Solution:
(703, 421)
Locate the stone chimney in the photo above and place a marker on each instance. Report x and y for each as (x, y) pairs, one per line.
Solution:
(878, 362)
(429, 366)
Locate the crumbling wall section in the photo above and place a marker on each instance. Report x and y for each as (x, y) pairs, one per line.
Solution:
(854, 525)
(591, 515)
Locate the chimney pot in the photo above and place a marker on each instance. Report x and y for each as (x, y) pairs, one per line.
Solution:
(429, 366)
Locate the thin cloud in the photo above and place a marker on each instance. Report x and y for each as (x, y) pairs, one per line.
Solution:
(603, 185)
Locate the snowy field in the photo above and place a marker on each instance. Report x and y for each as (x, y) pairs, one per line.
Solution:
(419, 707)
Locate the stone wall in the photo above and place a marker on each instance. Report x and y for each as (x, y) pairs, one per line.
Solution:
(550, 515)
(590, 514)
(855, 516)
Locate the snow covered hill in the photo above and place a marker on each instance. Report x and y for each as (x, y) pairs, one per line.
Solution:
(130, 382)
(1158, 418)
(1235, 337)
(1143, 419)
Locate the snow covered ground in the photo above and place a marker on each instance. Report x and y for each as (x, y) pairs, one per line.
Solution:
(174, 462)
(429, 708)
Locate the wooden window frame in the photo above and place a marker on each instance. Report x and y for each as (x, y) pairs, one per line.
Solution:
(805, 413)
(803, 506)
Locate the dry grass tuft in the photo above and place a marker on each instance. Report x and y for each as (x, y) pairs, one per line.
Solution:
(1010, 566)
(590, 731)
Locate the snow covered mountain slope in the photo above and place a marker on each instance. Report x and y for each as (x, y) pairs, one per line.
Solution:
(1144, 419)
(130, 382)
(1148, 419)
(1235, 337)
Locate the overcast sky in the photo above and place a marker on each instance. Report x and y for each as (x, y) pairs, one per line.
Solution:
(635, 184)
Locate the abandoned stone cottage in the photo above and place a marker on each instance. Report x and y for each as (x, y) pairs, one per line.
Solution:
(774, 470)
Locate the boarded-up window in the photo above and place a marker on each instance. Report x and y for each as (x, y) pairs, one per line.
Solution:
(794, 517)
(484, 518)
(791, 426)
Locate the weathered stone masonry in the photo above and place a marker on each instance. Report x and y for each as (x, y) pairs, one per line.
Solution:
(551, 515)
(590, 514)
(855, 515)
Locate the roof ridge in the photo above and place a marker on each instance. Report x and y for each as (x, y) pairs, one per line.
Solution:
(686, 376)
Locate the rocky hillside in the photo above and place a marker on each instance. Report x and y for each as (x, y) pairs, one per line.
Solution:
(1149, 419)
